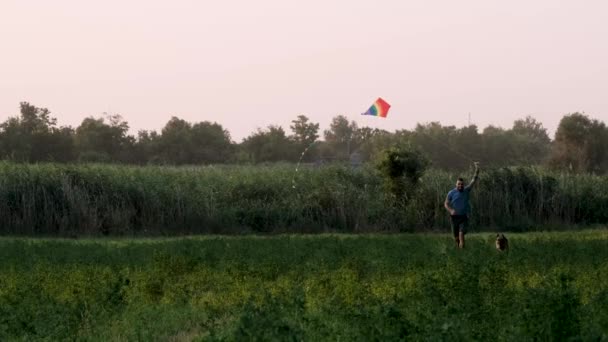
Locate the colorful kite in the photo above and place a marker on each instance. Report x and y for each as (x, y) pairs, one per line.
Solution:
(379, 108)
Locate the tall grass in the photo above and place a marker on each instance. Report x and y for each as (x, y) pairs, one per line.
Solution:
(74, 200)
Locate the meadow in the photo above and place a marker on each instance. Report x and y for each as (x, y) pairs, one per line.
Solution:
(551, 286)
(103, 200)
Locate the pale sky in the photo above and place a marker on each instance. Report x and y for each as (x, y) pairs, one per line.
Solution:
(247, 64)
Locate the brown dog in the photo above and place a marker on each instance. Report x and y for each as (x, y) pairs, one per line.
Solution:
(502, 243)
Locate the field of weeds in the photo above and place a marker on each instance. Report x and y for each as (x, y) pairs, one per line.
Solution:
(551, 286)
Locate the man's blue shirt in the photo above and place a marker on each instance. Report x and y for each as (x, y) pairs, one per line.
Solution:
(459, 201)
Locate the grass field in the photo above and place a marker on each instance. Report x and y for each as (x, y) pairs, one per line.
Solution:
(551, 286)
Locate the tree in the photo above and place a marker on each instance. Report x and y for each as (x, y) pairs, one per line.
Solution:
(531, 141)
(468, 144)
(437, 143)
(270, 145)
(498, 147)
(146, 148)
(304, 133)
(363, 141)
(181, 142)
(382, 140)
(34, 136)
(339, 137)
(101, 141)
(532, 129)
(211, 143)
(580, 144)
(58, 146)
(175, 142)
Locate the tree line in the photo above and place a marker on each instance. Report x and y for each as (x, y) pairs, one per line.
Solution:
(35, 136)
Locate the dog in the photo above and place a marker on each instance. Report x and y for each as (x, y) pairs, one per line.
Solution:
(502, 243)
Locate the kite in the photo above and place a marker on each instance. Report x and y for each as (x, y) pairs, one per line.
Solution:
(379, 108)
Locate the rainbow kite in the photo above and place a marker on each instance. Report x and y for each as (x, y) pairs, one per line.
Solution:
(379, 108)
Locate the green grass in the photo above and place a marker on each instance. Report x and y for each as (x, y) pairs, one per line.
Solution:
(551, 286)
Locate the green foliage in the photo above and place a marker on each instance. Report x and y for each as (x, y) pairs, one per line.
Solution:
(270, 145)
(402, 169)
(304, 132)
(580, 145)
(552, 286)
(341, 138)
(101, 141)
(181, 142)
(304, 137)
(33, 136)
(532, 143)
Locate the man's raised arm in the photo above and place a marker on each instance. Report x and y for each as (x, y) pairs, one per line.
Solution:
(475, 176)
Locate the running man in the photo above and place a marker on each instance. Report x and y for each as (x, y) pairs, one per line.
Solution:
(457, 204)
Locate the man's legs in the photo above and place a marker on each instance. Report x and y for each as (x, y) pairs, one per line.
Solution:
(455, 228)
(462, 229)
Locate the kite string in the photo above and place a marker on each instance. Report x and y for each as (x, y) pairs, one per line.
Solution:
(293, 179)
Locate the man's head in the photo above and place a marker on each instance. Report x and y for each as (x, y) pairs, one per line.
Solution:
(460, 184)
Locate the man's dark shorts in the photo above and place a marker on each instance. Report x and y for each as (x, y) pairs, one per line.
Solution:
(459, 224)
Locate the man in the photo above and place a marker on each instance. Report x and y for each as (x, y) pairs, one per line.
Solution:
(457, 204)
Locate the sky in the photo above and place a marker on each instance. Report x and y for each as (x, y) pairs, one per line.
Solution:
(248, 64)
